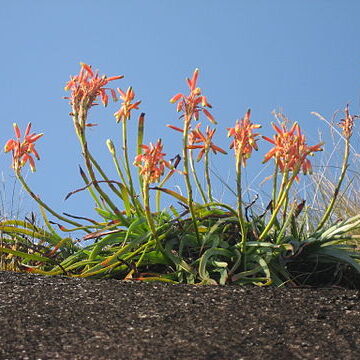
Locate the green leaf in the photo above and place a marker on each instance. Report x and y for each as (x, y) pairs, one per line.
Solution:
(154, 257)
(337, 255)
(25, 256)
(203, 273)
(107, 215)
(125, 198)
(173, 194)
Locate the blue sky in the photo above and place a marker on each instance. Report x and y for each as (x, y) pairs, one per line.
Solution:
(294, 56)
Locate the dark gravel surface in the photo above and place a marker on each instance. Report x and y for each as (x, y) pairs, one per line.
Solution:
(61, 318)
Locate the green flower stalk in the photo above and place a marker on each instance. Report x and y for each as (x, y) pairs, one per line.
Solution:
(88, 162)
(139, 142)
(111, 147)
(191, 106)
(152, 165)
(124, 188)
(347, 126)
(207, 176)
(198, 140)
(187, 179)
(191, 160)
(164, 180)
(85, 89)
(123, 115)
(243, 144)
(196, 178)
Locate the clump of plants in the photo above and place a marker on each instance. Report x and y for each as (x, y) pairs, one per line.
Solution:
(200, 242)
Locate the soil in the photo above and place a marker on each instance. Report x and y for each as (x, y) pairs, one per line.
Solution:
(62, 318)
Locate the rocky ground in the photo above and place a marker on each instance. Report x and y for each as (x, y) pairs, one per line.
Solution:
(61, 318)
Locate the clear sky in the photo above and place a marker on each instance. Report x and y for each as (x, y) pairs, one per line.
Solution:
(295, 56)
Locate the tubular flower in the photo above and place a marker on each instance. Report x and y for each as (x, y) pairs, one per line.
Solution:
(22, 151)
(194, 103)
(290, 149)
(126, 107)
(347, 123)
(151, 162)
(196, 136)
(244, 138)
(87, 87)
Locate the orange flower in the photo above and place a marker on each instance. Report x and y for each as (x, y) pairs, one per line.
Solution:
(151, 162)
(244, 138)
(347, 123)
(126, 107)
(22, 150)
(196, 137)
(290, 149)
(87, 87)
(194, 103)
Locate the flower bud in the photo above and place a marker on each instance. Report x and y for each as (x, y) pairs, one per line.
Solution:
(111, 147)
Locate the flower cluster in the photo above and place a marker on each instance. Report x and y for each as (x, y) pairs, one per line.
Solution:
(196, 137)
(22, 150)
(151, 162)
(290, 149)
(87, 86)
(124, 112)
(194, 103)
(347, 123)
(244, 138)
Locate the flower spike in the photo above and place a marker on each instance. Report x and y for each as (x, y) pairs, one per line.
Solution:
(22, 151)
(244, 138)
(124, 112)
(151, 162)
(196, 137)
(290, 150)
(347, 123)
(194, 103)
(87, 86)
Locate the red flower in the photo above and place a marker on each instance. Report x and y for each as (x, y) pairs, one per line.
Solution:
(194, 103)
(196, 137)
(244, 138)
(87, 87)
(126, 107)
(22, 150)
(290, 149)
(151, 162)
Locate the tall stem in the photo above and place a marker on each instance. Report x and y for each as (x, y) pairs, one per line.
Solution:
(79, 123)
(158, 193)
(140, 140)
(126, 157)
(150, 219)
(90, 189)
(338, 186)
(197, 182)
(187, 176)
(275, 185)
(281, 198)
(207, 175)
(103, 175)
(91, 173)
(286, 179)
(134, 200)
(239, 204)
